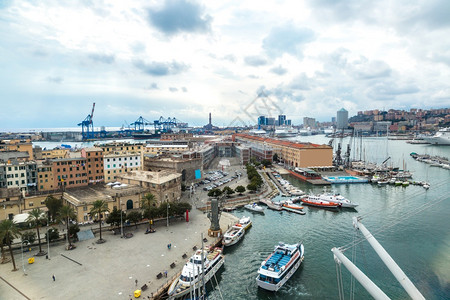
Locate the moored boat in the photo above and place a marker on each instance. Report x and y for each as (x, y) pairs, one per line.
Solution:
(291, 205)
(312, 200)
(233, 235)
(192, 272)
(254, 207)
(244, 222)
(279, 266)
(334, 198)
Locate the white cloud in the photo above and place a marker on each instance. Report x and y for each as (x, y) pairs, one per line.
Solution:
(185, 58)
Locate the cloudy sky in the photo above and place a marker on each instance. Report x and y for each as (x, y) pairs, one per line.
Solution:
(184, 59)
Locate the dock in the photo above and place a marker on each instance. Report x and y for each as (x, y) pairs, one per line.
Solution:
(300, 212)
(270, 204)
(318, 181)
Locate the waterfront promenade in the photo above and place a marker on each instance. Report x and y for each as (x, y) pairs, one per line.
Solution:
(109, 270)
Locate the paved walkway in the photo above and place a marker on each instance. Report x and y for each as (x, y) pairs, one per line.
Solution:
(109, 270)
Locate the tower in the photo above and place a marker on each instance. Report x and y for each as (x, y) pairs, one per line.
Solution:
(342, 119)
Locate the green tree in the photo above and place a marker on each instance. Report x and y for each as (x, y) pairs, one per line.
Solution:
(73, 230)
(275, 157)
(252, 187)
(54, 205)
(36, 217)
(266, 163)
(52, 233)
(114, 217)
(99, 207)
(134, 217)
(228, 191)
(240, 189)
(151, 213)
(148, 201)
(8, 232)
(214, 193)
(67, 212)
(29, 236)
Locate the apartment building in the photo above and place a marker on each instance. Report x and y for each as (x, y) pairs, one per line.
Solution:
(94, 164)
(118, 163)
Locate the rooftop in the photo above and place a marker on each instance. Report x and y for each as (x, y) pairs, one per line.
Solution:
(152, 177)
(282, 142)
(89, 194)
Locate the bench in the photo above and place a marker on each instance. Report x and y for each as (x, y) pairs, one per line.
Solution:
(184, 256)
(172, 265)
(144, 287)
(159, 276)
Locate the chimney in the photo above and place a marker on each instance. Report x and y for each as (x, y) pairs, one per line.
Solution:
(209, 118)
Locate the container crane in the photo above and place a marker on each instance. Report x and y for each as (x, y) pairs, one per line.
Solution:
(87, 126)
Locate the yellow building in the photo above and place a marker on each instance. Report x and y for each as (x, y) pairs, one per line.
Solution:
(45, 177)
(17, 145)
(81, 199)
(164, 185)
(302, 155)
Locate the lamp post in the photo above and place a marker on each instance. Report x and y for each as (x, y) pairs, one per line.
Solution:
(121, 212)
(48, 242)
(168, 206)
(21, 248)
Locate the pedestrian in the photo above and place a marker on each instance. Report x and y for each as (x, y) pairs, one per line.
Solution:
(136, 281)
(165, 273)
(168, 246)
(53, 276)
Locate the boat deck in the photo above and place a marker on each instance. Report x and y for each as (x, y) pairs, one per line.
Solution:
(276, 261)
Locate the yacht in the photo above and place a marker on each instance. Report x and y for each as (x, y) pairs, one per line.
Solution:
(254, 207)
(442, 137)
(286, 132)
(192, 274)
(279, 266)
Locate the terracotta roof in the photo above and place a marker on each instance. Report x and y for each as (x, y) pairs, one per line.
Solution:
(281, 142)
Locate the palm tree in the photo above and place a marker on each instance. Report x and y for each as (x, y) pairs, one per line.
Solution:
(99, 207)
(35, 217)
(67, 212)
(9, 231)
(148, 200)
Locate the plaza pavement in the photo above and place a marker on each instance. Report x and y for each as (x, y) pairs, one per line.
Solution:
(109, 270)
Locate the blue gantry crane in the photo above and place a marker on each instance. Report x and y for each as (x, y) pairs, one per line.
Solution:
(87, 126)
(139, 124)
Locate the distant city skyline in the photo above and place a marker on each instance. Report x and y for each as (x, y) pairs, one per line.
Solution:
(184, 59)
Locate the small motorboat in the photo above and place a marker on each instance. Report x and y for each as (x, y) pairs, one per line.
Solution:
(233, 235)
(254, 207)
(291, 205)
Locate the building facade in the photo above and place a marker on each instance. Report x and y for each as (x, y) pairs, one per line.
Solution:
(342, 119)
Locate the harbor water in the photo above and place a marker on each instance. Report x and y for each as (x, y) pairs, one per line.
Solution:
(410, 222)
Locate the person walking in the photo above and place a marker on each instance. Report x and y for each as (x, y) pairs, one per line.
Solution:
(54, 278)
(136, 281)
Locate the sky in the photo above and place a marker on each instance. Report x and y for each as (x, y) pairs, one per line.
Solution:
(236, 59)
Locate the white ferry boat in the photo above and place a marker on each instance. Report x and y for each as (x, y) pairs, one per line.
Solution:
(233, 235)
(276, 270)
(336, 198)
(192, 274)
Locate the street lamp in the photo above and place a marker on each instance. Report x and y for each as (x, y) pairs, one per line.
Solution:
(168, 206)
(48, 242)
(21, 248)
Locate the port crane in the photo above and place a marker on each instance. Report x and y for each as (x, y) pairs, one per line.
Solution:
(87, 126)
(160, 125)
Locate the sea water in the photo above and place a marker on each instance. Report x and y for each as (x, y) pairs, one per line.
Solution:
(411, 223)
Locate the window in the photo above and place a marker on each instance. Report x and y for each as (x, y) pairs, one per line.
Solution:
(84, 208)
(30, 204)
